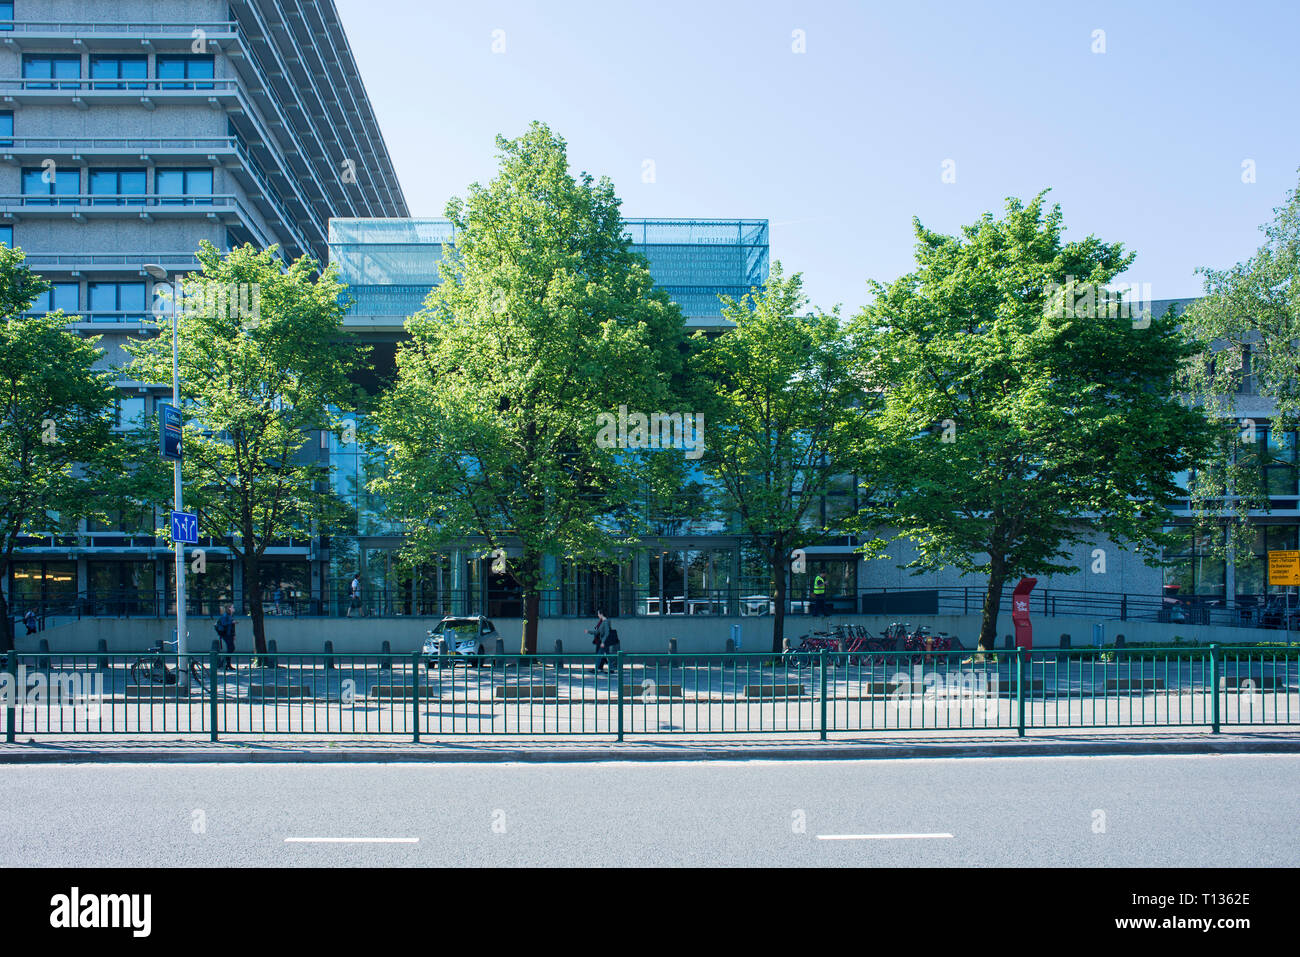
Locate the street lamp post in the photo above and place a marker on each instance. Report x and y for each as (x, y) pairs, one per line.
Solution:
(159, 274)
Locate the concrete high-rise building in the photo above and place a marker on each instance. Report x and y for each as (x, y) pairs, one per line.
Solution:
(132, 130)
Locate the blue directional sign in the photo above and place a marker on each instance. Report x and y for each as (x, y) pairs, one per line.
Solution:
(185, 528)
(169, 432)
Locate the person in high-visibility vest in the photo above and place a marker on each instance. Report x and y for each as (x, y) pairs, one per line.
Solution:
(819, 595)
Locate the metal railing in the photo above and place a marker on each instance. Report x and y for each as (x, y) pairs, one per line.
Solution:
(130, 85)
(901, 603)
(822, 693)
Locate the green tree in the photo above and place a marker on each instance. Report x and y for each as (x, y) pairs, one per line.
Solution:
(1024, 412)
(1248, 329)
(60, 459)
(544, 320)
(788, 414)
(264, 364)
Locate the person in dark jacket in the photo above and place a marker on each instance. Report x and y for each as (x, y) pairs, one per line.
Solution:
(600, 635)
(29, 620)
(226, 632)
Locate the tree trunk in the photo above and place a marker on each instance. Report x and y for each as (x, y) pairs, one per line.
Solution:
(992, 605)
(532, 609)
(6, 626)
(253, 594)
(778, 594)
(530, 584)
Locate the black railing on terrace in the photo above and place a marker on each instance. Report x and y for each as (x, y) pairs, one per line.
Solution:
(1262, 612)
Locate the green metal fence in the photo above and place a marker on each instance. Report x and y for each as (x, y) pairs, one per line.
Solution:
(821, 693)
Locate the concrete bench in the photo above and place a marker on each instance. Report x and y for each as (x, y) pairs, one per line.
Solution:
(160, 692)
(1135, 684)
(279, 693)
(1248, 683)
(775, 691)
(653, 688)
(526, 691)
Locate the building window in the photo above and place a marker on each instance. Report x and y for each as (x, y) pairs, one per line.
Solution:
(116, 301)
(188, 186)
(48, 586)
(7, 236)
(187, 71)
(38, 183)
(61, 295)
(47, 66)
(116, 187)
(130, 409)
(104, 69)
(6, 15)
(7, 128)
(1197, 566)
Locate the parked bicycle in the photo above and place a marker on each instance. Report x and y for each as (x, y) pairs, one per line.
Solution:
(152, 669)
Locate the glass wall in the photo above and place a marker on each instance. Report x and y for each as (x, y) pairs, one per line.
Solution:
(122, 588)
(49, 587)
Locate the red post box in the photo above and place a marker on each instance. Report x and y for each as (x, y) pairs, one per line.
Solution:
(1020, 612)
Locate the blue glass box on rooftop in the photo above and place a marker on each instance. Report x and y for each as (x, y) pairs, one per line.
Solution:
(391, 264)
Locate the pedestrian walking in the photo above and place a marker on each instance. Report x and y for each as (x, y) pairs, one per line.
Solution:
(354, 595)
(226, 632)
(600, 635)
(29, 620)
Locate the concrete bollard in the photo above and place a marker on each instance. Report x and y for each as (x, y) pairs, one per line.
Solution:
(1010, 641)
(102, 662)
(501, 646)
(329, 656)
(1065, 641)
(672, 646)
(386, 664)
(44, 648)
(559, 650)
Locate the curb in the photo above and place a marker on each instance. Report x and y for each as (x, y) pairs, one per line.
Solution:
(435, 754)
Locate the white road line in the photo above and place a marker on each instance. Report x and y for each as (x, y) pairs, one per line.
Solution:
(352, 840)
(878, 837)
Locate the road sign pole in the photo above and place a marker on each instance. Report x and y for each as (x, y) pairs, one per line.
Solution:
(182, 642)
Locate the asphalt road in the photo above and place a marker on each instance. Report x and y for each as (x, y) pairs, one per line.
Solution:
(1217, 810)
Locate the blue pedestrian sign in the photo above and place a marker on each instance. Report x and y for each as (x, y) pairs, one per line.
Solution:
(169, 432)
(185, 528)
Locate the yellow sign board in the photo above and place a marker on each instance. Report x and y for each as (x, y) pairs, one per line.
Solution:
(1284, 568)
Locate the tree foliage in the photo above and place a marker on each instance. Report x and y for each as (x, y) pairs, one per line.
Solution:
(1020, 423)
(264, 365)
(61, 461)
(544, 319)
(788, 414)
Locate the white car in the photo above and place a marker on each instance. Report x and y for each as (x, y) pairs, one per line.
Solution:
(459, 637)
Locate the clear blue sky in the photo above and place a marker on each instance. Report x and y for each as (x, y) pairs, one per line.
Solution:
(842, 145)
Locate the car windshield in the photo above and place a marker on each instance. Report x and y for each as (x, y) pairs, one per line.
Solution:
(460, 630)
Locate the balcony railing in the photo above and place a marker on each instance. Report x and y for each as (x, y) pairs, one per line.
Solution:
(144, 200)
(61, 85)
(141, 28)
(126, 145)
(178, 261)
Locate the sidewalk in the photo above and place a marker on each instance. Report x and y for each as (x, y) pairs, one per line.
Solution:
(322, 749)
